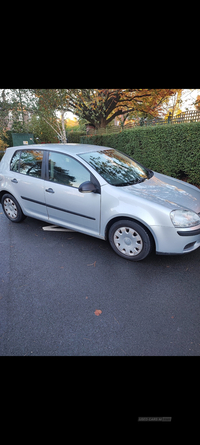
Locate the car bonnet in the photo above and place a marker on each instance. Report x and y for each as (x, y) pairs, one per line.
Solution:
(167, 191)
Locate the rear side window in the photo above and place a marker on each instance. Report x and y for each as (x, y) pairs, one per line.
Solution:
(27, 162)
(14, 165)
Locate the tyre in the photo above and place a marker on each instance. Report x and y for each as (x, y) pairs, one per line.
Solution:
(130, 240)
(12, 209)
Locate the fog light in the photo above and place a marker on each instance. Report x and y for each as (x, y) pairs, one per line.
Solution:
(189, 246)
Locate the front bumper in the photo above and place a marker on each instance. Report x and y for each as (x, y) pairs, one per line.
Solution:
(171, 240)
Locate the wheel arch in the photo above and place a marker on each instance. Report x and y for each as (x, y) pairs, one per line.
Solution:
(5, 192)
(118, 218)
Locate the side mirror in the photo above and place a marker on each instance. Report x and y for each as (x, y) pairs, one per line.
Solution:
(87, 187)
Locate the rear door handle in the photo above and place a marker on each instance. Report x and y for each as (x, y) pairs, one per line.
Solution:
(50, 190)
(14, 180)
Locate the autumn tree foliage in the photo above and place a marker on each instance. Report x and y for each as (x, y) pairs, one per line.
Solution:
(175, 107)
(100, 106)
(197, 103)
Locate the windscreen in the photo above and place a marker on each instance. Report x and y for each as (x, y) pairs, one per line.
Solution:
(115, 167)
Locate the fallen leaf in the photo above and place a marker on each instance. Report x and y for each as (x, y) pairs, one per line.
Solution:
(93, 264)
(98, 312)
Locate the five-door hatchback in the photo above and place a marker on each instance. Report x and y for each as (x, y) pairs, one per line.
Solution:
(104, 193)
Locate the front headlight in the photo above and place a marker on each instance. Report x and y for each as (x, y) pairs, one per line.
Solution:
(184, 218)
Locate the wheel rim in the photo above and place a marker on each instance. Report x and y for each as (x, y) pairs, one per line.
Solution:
(10, 208)
(128, 241)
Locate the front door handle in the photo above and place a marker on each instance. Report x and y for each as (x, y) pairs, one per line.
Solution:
(50, 190)
(14, 180)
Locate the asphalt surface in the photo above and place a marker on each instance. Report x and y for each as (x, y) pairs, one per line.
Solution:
(51, 285)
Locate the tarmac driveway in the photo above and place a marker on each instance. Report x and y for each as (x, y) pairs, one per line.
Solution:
(70, 294)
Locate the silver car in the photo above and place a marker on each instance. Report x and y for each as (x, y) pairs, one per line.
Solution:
(101, 192)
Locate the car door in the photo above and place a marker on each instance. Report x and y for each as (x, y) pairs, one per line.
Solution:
(27, 182)
(66, 205)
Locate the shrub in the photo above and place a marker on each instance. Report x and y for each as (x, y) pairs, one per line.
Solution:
(74, 136)
(3, 146)
(173, 150)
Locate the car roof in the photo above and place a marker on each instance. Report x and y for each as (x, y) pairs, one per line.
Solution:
(65, 148)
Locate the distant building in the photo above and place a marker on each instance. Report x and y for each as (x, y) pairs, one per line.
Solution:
(90, 128)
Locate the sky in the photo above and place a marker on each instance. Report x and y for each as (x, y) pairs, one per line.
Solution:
(189, 96)
(70, 115)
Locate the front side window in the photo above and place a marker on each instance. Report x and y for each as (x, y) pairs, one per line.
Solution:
(116, 168)
(27, 162)
(66, 170)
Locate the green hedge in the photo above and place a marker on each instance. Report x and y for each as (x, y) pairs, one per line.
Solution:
(74, 136)
(172, 149)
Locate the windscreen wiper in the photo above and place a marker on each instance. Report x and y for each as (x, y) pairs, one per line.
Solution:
(135, 181)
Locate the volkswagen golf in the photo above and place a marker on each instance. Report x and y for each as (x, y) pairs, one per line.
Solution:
(101, 192)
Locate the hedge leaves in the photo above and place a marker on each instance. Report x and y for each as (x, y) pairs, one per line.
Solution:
(170, 149)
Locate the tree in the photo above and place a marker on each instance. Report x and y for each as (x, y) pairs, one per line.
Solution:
(172, 107)
(17, 102)
(42, 131)
(49, 101)
(100, 106)
(44, 103)
(4, 110)
(197, 103)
